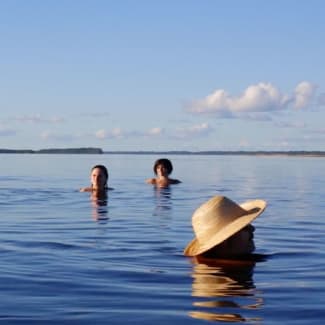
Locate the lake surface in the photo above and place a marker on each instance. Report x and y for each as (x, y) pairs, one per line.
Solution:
(65, 260)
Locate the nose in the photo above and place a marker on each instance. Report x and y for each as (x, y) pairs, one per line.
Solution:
(161, 169)
(250, 229)
(97, 178)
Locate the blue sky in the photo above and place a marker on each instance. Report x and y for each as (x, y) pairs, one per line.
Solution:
(162, 75)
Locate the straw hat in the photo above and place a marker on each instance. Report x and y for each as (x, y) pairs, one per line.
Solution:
(218, 219)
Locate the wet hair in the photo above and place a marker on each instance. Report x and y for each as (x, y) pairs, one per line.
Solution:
(166, 163)
(103, 169)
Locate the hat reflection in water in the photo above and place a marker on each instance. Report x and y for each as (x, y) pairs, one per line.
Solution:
(222, 228)
(221, 287)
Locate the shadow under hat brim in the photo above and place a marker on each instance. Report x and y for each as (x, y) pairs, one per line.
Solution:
(253, 208)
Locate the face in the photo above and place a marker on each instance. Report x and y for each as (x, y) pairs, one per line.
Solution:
(240, 243)
(161, 170)
(98, 179)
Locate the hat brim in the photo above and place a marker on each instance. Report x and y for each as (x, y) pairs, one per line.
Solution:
(253, 208)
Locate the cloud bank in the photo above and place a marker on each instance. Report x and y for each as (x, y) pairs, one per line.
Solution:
(156, 132)
(50, 136)
(38, 119)
(193, 131)
(118, 133)
(262, 97)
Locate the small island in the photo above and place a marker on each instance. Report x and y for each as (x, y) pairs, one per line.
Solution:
(87, 151)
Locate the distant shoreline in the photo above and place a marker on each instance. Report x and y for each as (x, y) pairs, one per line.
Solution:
(91, 150)
(224, 153)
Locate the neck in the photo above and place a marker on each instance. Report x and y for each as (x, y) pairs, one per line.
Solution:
(162, 176)
(98, 189)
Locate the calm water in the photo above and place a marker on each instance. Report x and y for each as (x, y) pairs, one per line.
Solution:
(64, 260)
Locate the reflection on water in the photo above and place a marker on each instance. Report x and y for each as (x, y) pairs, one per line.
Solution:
(99, 203)
(224, 285)
(162, 200)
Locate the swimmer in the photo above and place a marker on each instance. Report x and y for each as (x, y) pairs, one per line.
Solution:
(162, 168)
(98, 178)
(223, 229)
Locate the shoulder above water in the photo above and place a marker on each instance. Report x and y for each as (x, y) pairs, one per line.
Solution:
(85, 189)
(90, 189)
(155, 181)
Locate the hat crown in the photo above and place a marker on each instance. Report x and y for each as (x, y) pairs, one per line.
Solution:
(214, 215)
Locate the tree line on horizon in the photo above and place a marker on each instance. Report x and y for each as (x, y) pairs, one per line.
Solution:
(93, 150)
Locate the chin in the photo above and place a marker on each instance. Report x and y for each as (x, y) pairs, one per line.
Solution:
(252, 248)
(249, 250)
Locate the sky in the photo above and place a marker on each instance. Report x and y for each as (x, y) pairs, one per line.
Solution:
(162, 75)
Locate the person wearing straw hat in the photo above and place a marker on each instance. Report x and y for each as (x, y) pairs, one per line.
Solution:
(223, 228)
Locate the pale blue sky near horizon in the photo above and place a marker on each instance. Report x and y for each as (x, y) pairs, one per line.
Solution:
(162, 75)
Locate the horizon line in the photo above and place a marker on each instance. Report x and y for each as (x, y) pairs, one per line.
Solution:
(96, 150)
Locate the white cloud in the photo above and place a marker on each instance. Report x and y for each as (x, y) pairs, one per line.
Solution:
(155, 131)
(101, 134)
(262, 97)
(244, 143)
(194, 130)
(293, 124)
(94, 114)
(304, 93)
(48, 135)
(119, 133)
(38, 119)
(284, 144)
(114, 133)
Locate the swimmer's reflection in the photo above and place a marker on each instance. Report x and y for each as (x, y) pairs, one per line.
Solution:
(99, 203)
(224, 284)
(163, 200)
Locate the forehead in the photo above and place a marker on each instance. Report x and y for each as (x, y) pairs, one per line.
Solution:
(97, 171)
